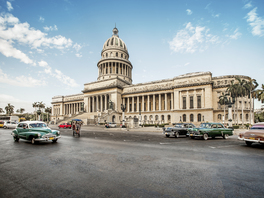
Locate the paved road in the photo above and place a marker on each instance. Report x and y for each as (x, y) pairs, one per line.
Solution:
(115, 163)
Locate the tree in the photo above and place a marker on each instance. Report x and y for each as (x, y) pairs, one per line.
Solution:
(9, 109)
(260, 94)
(1, 110)
(48, 111)
(223, 100)
(251, 85)
(21, 110)
(39, 105)
(17, 111)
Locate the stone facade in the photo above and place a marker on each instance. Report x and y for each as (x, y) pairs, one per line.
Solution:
(191, 97)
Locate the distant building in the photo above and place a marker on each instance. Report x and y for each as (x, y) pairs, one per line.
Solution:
(192, 97)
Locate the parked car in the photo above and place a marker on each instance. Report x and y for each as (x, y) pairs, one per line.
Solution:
(110, 125)
(65, 125)
(254, 135)
(178, 129)
(35, 131)
(10, 125)
(2, 124)
(212, 130)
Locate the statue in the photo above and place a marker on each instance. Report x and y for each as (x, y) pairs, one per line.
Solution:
(111, 104)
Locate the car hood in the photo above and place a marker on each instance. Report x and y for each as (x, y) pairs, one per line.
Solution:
(42, 130)
(255, 132)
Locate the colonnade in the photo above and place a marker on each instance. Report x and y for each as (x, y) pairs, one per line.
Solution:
(151, 102)
(187, 99)
(98, 103)
(56, 109)
(115, 68)
(72, 108)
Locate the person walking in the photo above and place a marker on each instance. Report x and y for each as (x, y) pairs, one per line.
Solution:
(73, 128)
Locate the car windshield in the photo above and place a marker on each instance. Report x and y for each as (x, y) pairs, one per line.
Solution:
(258, 127)
(37, 125)
(179, 125)
(205, 125)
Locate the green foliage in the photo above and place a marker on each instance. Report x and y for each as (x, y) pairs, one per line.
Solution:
(236, 126)
(259, 117)
(159, 125)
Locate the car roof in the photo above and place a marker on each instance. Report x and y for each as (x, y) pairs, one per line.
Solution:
(32, 122)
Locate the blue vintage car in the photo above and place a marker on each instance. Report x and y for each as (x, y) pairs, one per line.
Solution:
(35, 131)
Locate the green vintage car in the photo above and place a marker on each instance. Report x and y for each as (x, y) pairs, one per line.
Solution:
(212, 130)
(35, 131)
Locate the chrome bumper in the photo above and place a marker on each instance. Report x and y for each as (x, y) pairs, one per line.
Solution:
(48, 138)
(250, 140)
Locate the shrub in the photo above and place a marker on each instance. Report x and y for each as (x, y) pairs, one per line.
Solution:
(236, 126)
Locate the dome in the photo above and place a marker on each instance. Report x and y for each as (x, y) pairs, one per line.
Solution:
(114, 41)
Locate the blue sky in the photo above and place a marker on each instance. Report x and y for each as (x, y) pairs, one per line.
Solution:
(50, 48)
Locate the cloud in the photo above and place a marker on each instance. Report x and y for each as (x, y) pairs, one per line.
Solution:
(41, 19)
(21, 81)
(248, 5)
(77, 47)
(186, 64)
(189, 12)
(78, 55)
(190, 39)
(236, 35)
(256, 22)
(9, 6)
(211, 11)
(50, 28)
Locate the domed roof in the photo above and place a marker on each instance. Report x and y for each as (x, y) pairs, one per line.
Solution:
(114, 41)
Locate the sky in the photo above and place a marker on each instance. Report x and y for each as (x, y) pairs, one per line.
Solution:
(50, 48)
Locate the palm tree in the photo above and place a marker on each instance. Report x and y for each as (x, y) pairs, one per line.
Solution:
(251, 85)
(223, 101)
(48, 111)
(232, 90)
(35, 106)
(1, 110)
(17, 111)
(260, 94)
(242, 92)
(9, 109)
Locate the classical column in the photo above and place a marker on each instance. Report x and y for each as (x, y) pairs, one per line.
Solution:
(165, 108)
(159, 102)
(148, 103)
(194, 100)
(97, 106)
(88, 109)
(172, 103)
(180, 99)
(154, 105)
(187, 100)
(133, 109)
(143, 104)
(128, 105)
(137, 103)
(101, 103)
(202, 99)
(93, 105)
(105, 102)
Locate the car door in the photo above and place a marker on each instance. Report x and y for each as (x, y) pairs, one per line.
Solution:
(221, 130)
(214, 130)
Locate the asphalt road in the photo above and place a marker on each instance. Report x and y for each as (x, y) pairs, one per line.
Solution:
(109, 163)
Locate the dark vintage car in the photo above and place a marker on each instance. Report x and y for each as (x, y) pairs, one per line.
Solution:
(212, 130)
(35, 131)
(178, 129)
(65, 125)
(254, 135)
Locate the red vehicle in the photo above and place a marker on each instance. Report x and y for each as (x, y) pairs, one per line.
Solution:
(65, 125)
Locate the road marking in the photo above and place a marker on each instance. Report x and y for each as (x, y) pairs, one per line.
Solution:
(164, 143)
(212, 147)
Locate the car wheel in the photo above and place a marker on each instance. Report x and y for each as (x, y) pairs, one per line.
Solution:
(213, 137)
(205, 136)
(33, 141)
(225, 136)
(16, 139)
(177, 134)
(248, 143)
(167, 135)
(54, 141)
(192, 137)
(5, 127)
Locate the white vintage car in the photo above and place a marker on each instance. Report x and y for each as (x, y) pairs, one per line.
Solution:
(10, 125)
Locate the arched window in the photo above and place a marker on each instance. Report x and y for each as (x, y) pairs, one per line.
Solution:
(112, 41)
(156, 117)
(121, 43)
(145, 117)
(169, 117)
(121, 55)
(116, 41)
(219, 116)
(108, 42)
(199, 117)
(184, 117)
(150, 117)
(116, 54)
(106, 55)
(162, 117)
(191, 118)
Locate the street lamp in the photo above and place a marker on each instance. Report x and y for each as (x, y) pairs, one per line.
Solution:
(229, 105)
(123, 108)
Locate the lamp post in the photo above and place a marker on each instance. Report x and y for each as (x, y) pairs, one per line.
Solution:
(123, 108)
(229, 105)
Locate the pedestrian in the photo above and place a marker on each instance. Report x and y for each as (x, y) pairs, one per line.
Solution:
(73, 128)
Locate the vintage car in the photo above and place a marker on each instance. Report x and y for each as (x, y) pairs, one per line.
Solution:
(10, 125)
(35, 131)
(178, 129)
(2, 123)
(254, 135)
(212, 130)
(110, 125)
(65, 125)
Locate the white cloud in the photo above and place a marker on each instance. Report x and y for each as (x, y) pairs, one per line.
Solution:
(189, 12)
(186, 64)
(236, 35)
(190, 39)
(41, 19)
(77, 47)
(9, 6)
(65, 79)
(21, 81)
(42, 63)
(50, 28)
(211, 11)
(256, 22)
(248, 5)
(78, 55)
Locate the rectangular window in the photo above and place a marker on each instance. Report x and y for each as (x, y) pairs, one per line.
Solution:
(144, 106)
(191, 102)
(184, 102)
(130, 107)
(199, 105)
(135, 107)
